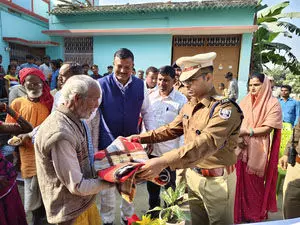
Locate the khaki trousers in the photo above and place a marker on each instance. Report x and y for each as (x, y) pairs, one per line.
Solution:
(291, 192)
(214, 202)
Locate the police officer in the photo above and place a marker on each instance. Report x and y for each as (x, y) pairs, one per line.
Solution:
(291, 186)
(210, 126)
(179, 86)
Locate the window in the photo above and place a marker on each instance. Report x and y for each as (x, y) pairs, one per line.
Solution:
(79, 49)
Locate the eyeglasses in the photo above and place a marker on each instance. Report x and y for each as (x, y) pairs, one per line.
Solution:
(190, 80)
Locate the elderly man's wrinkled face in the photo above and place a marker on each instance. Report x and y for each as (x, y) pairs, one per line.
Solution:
(33, 86)
(89, 103)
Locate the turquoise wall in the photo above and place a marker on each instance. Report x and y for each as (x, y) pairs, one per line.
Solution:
(148, 50)
(56, 52)
(20, 26)
(41, 8)
(244, 64)
(3, 44)
(217, 17)
(23, 27)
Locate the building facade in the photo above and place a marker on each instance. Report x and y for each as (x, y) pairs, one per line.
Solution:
(158, 33)
(22, 23)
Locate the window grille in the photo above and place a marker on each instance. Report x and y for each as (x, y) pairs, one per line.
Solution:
(222, 41)
(79, 49)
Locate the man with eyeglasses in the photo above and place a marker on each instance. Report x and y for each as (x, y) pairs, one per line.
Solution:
(124, 99)
(67, 70)
(210, 125)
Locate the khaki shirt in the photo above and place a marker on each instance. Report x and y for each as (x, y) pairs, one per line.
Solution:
(209, 142)
(178, 86)
(296, 140)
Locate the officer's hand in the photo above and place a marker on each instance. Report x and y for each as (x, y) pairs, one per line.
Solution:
(24, 138)
(283, 162)
(134, 138)
(152, 168)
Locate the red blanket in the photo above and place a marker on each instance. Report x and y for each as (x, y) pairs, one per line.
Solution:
(120, 162)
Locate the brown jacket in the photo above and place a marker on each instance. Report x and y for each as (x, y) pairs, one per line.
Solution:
(209, 142)
(61, 205)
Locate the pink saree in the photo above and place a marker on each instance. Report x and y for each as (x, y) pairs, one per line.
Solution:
(257, 168)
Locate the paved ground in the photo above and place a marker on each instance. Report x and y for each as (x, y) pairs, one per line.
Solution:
(141, 204)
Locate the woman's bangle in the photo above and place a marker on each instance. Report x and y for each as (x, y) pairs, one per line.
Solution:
(251, 132)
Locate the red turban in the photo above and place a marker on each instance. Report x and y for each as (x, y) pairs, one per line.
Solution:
(46, 97)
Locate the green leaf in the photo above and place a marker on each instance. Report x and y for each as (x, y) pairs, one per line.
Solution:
(157, 208)
(272, 27)
(166, 198)
(289, 15)
(291, 27)
(266, 19)
(273, 10)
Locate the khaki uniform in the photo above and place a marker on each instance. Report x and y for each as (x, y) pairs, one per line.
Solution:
(291, 186)
(180, 174)
(209, 144)
(178, 86)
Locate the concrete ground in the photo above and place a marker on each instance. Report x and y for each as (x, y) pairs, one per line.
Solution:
(141, 204)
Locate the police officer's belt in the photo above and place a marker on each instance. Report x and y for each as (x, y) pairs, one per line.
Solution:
(216, 172)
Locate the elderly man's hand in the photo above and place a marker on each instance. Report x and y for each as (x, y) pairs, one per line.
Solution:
(134, 138)
(152, 168)
(283, 162)
(25, 138)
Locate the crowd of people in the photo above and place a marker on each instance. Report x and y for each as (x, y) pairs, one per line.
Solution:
(226, 152)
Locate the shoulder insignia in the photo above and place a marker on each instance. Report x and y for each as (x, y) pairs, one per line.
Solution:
(225, 113)
(224, 101)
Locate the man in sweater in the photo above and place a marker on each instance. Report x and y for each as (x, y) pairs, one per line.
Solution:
(65, 160)
(124, 99)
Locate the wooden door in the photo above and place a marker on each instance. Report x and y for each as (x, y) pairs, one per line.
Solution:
(227, 49)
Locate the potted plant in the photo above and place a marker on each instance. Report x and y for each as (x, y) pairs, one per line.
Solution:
(172, 212)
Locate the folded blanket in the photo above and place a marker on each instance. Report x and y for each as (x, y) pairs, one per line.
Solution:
(119, 163)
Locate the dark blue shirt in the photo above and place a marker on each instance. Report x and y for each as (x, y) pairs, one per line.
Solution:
(53, 83)
(290, 110)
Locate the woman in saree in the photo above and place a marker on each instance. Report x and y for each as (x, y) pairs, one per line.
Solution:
(257, 152)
